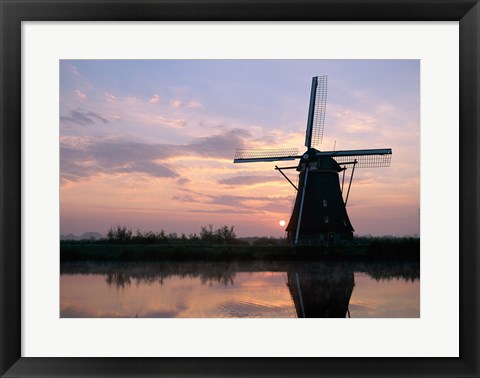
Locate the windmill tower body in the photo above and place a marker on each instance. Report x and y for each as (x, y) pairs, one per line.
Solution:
(319, 213)
(324, 216)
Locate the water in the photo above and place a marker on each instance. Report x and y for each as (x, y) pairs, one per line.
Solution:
(247, 289)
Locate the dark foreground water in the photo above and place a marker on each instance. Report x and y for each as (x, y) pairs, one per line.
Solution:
(234, 289)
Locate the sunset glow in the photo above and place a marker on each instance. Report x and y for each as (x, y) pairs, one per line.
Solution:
(150, 144)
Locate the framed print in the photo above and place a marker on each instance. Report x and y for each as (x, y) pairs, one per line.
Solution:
(119, 122)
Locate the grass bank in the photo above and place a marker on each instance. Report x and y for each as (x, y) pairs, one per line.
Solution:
(374, 249)
(166, 252)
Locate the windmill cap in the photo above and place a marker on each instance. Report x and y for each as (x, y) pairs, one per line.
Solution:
(321, 162)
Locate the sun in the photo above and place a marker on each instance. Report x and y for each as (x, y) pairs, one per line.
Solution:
(282, 223)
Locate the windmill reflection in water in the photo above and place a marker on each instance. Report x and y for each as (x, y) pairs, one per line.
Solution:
(321, 292)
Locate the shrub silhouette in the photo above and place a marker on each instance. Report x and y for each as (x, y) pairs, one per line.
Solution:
(222, 235)
(208, 235)
(120, 234)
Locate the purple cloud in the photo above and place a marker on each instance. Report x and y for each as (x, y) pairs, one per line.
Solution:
(219, 146)
(83, 117)
(123, 156)
(183, 181)
(113, 157)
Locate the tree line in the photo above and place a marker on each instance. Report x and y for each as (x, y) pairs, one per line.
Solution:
(208, 235)
(223, 235)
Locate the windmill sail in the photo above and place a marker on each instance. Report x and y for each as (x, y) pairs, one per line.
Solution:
(244, 155)
(316, 112)
(371, 158)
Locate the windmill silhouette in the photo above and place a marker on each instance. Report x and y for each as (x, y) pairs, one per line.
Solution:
(319, 215)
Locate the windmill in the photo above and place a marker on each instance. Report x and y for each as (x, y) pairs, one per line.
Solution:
(319, 215)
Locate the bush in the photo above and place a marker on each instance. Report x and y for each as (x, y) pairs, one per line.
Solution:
(119, 234)
(206, 233)
(222, 235)
(123, 235)
(225, 235)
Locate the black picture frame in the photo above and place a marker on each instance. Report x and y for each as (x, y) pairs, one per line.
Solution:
(13, 12)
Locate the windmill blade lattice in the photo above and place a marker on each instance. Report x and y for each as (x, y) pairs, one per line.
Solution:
(372, 158)
(316, 112)
(365, 161)
(244, 155)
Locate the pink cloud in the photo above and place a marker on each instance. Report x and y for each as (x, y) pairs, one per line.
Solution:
(176, 103)
(80, 94)
(171, 122)
(156, 99)
(194, 104)
(110, 97)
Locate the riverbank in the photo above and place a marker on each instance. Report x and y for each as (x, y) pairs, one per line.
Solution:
(375, 249)
(224, 271)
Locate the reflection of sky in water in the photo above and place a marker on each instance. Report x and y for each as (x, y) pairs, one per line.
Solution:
(394, 298)
(261, 294)
(244, 294)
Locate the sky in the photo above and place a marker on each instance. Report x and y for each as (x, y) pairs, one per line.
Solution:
(150, 143)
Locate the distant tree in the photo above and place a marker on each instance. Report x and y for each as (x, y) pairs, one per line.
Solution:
(161, 235)
(145, 237)
(120, 234)
(150, 237)
(222, 235)
(206, 233)
(193, 237)
(225, 235)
